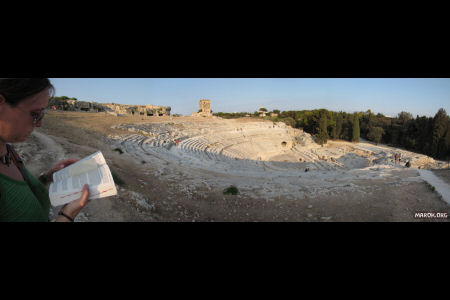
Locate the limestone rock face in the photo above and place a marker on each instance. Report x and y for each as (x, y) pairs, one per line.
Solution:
(139, 110)
(112, 108)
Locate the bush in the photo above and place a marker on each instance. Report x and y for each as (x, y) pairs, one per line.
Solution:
(118, 150)
(431, 187)
(117, 179)
(288, 121)
(231, 190)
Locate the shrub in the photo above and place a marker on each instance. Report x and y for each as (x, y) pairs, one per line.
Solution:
(431, 187)
(117, 179)
(118, 150)
(231, 190)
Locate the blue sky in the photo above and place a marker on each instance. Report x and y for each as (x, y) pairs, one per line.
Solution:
(389, 96)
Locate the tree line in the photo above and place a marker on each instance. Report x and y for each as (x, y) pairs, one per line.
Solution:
(235, 115)
(323, 124)
(427, 135)
(64, 98)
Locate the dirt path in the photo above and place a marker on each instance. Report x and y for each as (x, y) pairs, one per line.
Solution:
(440, 185)
(48, 143)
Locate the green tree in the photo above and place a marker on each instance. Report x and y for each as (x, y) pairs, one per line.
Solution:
(366, 122)
(439, 128)
(288, 121)
(404, 117)
(322, 133)
(356, 133)
(375, 134)
(339, 122)
(446, 143)
(332, 130)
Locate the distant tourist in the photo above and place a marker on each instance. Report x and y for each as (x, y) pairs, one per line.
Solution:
(396, 157)
(22, 196)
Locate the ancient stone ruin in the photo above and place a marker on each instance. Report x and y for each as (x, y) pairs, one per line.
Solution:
(205, 109)
(139, 110)
(111, 108)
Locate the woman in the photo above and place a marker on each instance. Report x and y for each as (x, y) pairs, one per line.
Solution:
(22, 197)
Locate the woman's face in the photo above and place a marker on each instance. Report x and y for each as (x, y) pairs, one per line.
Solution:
(17, 123)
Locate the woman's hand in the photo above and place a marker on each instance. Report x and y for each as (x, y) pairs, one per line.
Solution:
(72, 209)
(58, 166)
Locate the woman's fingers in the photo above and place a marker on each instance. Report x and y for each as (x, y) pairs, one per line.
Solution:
(84, 195)
(62, 164)
(73, 208)
(66, 162)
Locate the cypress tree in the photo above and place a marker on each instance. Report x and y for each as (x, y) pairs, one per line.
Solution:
(439, 128)
(356, 132)
(339, 122)
(322, 134)
(446, 142)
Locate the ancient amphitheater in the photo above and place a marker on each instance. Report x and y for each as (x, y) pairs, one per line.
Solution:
(264, 159)
(176, 168)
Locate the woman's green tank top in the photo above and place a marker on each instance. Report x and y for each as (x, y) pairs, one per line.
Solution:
(19, 204)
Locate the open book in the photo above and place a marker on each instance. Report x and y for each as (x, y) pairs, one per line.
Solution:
(68, 182)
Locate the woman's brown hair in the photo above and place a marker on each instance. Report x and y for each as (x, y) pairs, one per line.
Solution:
(14, 90)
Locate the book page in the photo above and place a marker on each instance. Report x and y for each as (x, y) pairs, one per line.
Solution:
(69, 181)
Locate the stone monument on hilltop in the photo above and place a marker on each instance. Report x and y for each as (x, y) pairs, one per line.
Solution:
(205, 105)
(205, 109)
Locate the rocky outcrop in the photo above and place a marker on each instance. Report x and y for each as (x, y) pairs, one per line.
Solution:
(112, 108)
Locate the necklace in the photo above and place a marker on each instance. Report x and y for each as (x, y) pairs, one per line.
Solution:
(6, 159)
